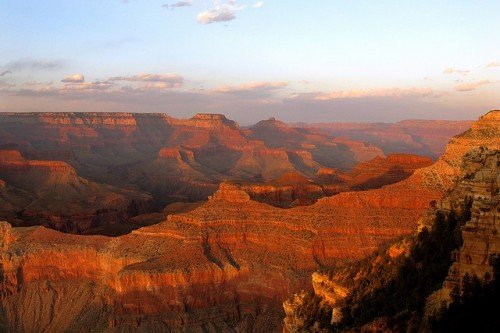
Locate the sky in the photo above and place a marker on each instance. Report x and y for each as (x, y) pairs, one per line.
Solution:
(310, 61)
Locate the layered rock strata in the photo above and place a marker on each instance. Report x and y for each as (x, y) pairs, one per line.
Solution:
(466, 174)
(51, 193)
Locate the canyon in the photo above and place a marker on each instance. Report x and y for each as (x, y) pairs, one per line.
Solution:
(421, 137)
(224, 264)
(158, 160)
(353, 296)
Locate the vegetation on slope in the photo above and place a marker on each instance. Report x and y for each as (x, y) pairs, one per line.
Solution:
(394, 289)
(478, 300)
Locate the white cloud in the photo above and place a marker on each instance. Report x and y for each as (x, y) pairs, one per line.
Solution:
(251, 87)
(473, 85)
(178, 4)
(355, 94)
(97, 85)
(451, 70)
(75, 78)
(222, 12)
(258, 4)
(168, 80)
(493, 64)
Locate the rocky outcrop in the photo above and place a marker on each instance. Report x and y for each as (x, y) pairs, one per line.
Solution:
(229, 193)
(421, 137)
(51, 193)
(175, 159)
(293, 189)
(383, 171)
(466, 174)
(479, 190)
(227, 264)
(290, 190)
(208, 120)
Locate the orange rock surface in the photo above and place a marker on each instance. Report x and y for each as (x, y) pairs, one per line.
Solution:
(227, 264)
(175, 159)
(421, 137)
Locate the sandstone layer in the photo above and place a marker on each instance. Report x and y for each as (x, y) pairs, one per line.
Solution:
(421, 137)
(466, 174)
(175, 159)
(227, 264)
(51, 193)
(481, 241)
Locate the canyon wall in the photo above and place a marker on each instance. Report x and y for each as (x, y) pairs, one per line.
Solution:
(467, 175)
(227, 264)
(51, 193)
(421, 137)
(174, 159)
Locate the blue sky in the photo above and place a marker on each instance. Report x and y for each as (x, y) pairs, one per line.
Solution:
(311, 61)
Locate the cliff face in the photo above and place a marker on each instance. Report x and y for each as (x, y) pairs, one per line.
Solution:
(293, 189)
(382, 171)
(481, 241)
(290, 190)
(185, 159)
(421, 137)
(51, 193)
(469, 174)
(228, 264)
(175, 159)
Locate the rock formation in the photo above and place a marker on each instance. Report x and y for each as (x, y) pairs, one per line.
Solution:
(481, 241)
(383, 171)
(421, 137)
(51, 193)
(290, 190)
(468, 175)
(227, 264)
(175, 159)
(293, 189)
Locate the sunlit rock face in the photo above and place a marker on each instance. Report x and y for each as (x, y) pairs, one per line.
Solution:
(479, 189)
(466, 173)
(382, 171)
(228, 264)
(176, 159)
(293, 189)
(183, 159)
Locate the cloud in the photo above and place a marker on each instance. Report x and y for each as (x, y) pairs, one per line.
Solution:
(251, 87)
(258, 4)
(5, 73)
(36, 83)
(369, 93)
(178, 4)
(493, 64)
(473, 85)
(32, 65)
(97, 85)
(75, 78)
(168, 80)
(451, 70)
(4, 86)
(222, 12)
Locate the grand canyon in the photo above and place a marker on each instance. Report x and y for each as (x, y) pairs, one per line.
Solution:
(145, 222)
(249, 166)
